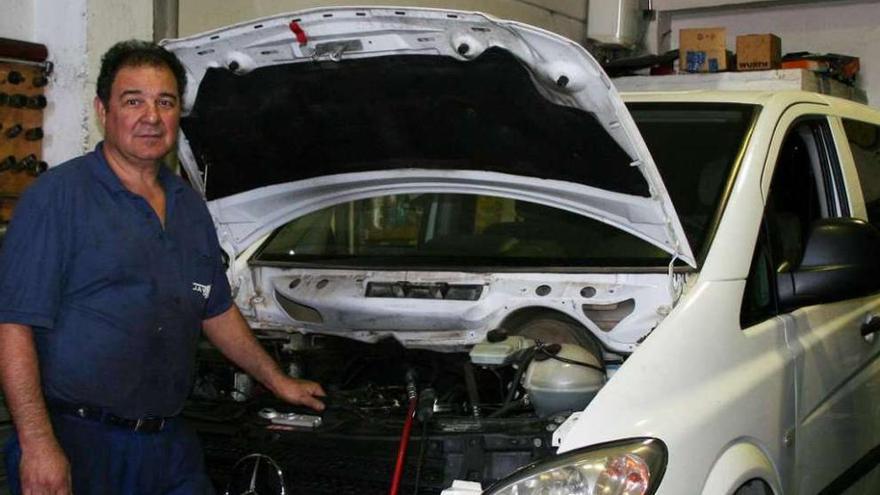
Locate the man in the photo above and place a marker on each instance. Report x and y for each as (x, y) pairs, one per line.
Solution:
(110, 268)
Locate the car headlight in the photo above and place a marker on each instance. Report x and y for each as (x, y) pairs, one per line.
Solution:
(626, 467)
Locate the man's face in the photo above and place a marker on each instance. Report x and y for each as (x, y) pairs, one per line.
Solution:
(142, 115)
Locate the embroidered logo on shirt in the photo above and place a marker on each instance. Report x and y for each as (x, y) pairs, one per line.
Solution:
(204, 290)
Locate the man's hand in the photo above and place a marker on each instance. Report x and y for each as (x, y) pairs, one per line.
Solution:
(44, 469)
(230, 333)
(298, 391)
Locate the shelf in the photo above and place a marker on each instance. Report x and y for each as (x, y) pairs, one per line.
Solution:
(762, 80)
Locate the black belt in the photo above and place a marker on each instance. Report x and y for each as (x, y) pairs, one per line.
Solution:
(145, 424)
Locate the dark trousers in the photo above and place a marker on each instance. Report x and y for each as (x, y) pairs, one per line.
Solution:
(106, 459)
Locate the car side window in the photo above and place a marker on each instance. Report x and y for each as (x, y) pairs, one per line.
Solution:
(759, 298)
(864, 142)
(802, 190)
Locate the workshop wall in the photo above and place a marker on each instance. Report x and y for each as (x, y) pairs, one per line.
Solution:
(17, 20)
(850, 27)
(108, 22)
(76, 33)
(566, 17)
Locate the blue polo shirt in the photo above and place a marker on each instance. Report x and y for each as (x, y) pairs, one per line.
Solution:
(115, 300)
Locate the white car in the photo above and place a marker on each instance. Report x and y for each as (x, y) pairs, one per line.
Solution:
(578, 293)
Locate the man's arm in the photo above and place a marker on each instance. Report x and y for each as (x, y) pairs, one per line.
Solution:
(230, 333)
(44, 467)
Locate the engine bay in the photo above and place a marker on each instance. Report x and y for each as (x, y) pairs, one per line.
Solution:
(478, 415)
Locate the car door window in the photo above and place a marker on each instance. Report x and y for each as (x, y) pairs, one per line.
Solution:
(864, 142)
(803, 189)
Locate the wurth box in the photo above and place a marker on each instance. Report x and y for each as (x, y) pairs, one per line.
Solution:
(758, 52)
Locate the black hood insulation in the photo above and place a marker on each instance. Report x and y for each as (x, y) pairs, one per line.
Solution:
(290, 122)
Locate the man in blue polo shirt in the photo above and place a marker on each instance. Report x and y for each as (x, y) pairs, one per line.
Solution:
(109, 271)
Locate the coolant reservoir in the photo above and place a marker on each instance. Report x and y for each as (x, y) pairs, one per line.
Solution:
(499, 352)
(555, 386)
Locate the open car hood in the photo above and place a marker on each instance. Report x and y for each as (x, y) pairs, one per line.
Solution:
(293, 113)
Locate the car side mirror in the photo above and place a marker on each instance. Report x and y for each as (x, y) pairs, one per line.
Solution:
(841, 261)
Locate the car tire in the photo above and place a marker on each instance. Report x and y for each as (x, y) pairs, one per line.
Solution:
(754, 487)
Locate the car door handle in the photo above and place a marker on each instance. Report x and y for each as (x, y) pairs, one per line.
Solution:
(871, 326)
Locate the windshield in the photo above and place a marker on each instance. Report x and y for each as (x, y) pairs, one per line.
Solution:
(695, 147)
(454, 230)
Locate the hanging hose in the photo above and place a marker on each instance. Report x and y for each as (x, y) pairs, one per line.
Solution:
(522, 363)
(413, 396)
(471, 382)
(424, 412)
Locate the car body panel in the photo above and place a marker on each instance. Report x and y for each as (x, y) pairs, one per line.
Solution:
(338, 297)
(838, 372)
(740, 463)
(732, 384)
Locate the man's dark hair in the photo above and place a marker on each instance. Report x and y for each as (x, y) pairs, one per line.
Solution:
(136, 53)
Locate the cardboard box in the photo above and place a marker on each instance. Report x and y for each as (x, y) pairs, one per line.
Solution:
(758, 52)
(702, 50)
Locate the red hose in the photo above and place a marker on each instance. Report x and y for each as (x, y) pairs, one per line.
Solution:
(401, 449)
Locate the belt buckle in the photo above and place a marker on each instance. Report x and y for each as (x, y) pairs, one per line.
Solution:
(142, 421)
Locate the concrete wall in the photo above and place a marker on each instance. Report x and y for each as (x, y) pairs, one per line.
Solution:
(66, 119)
(110, 21)
(76, 33)
(849, 27)
(17, 21)
(566, 17)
